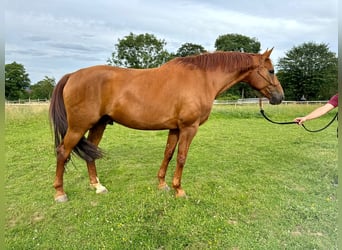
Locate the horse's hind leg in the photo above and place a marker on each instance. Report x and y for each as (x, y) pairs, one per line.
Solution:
(94, 136)
(63, 153)
(172, 141)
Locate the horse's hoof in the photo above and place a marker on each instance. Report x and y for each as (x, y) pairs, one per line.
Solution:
(99, 188)
(181, 194)
(164, 187)
(61, 198)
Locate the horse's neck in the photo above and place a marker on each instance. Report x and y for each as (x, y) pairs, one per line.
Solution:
(222, 81)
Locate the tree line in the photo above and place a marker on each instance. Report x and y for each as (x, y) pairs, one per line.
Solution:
(308, 71)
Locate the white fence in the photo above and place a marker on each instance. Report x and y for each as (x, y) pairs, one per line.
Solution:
(248, 101)
(28, 102)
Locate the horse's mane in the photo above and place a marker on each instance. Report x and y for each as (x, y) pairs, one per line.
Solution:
(227, 61)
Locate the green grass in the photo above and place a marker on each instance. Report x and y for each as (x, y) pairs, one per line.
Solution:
(250, 185)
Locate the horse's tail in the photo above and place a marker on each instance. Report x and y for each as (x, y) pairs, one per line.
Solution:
(58, 116)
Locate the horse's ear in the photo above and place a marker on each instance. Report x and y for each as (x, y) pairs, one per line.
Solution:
(267, 53)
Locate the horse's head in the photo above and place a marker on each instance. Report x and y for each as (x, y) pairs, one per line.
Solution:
(263, 79)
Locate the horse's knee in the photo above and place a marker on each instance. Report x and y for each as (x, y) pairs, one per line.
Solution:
(181, 160)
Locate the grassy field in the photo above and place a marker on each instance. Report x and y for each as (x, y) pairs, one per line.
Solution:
(250, 185)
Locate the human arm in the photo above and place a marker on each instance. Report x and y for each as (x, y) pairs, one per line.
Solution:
(315, 114)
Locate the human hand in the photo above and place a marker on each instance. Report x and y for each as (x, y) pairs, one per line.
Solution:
(300, 120)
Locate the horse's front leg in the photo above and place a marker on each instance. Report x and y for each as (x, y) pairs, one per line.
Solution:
(185, 139)
(172, 141)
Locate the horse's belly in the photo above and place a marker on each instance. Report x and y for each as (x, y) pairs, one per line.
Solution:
(143, 124)
(138, 119)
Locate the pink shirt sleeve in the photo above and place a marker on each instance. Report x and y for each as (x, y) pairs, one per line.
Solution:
(334, 100)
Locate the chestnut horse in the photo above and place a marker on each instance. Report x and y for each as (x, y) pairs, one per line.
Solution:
(177, 96)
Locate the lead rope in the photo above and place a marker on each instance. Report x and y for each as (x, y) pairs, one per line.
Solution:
(285, 123)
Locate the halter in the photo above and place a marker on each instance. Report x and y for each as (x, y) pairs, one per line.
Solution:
(285, 123)
(271, 83)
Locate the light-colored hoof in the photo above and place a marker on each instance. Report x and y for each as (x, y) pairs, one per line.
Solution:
(99, 188)
(164, 188)
(61, 198)
(181, 194)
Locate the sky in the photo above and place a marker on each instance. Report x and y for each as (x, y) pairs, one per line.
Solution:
(52, 38)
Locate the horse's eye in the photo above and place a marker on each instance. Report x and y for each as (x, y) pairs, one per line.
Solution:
(271, 71)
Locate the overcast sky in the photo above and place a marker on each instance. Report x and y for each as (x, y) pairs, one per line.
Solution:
(54, 37)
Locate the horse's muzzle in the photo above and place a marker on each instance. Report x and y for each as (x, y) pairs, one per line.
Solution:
(276, 99)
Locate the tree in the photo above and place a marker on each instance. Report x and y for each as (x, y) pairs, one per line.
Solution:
(188, 49)
(237, 42)
(16, 81)
(43, 89)
(309, 70)
(139, 51)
